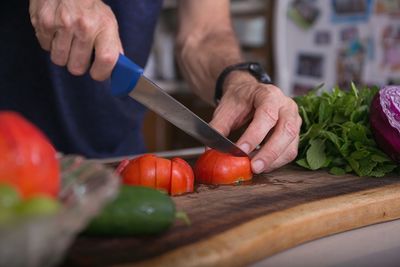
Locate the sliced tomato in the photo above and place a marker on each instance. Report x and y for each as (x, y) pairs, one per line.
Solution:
(173, 176)
(163, 174)
(214, 167)
(147, 166)
(182, 177)
(131, 173)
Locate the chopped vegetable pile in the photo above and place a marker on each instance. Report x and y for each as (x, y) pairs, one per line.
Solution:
(336, 133)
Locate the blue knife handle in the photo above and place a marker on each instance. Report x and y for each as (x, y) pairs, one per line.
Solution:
(124, 76)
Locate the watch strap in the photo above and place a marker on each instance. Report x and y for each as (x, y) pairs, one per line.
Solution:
(254, 68)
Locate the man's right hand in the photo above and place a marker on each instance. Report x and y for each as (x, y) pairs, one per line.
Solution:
(72, 29)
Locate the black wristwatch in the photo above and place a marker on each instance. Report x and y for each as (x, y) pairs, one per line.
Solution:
(253, 68)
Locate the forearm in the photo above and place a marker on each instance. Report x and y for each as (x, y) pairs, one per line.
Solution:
(204, 51)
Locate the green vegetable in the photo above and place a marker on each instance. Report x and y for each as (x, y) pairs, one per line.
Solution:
(9, 196)
(336, 133)
(6, 215)
(38, 205)
(137, 210)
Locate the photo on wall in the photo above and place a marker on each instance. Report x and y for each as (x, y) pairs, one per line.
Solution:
(303, 13)
(310, 65)
(349, 34)
(389, 7)
(351, 58)
(351, 10)
(390, 44)
(322, 37)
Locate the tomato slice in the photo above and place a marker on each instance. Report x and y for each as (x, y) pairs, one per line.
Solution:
(131, 173)
(147, 166)
(186, 172)
(182, 177)
(163, 174)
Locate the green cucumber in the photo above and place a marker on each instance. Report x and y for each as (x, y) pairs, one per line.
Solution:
(137, 210)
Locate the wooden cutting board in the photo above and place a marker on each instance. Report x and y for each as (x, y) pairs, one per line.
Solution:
(238, 225)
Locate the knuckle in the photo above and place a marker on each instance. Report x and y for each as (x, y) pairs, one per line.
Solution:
(46, 23)
(65, 20)
(271, 91)
(271, 156)
(291, 129)
(107, 57)
(270, 113)
(299, 122)
(76, 69)
(34, 21)
(85, 27)
(291, 154)
(109, 18)
(97, 76)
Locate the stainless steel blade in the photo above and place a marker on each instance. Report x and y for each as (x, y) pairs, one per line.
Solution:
(154, 98)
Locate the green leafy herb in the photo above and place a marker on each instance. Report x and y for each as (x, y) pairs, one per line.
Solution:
(336, 134)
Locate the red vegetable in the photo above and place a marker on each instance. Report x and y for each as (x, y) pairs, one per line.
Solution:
(27, 158)
(214, 167)
(385, 120)
(173, 176)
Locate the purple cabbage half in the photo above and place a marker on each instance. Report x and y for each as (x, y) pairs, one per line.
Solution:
(385, 120)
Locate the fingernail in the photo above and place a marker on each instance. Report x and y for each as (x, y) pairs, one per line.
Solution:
(245, 147)
(258, 166)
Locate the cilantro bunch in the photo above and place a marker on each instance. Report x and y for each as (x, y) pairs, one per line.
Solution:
(336, 134)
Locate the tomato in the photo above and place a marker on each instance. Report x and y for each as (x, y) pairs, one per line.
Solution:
(27, 159)
(173, 176)
(214, 167)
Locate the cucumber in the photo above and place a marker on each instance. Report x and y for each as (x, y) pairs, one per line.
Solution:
(137, 210)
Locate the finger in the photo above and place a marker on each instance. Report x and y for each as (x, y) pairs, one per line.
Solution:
(107, 49)
(286, 130)
(43, 20)
(61, 46)
(229, 115)
(288, 156)
(79, 56)
(265, 118)
(44, 40)
(223, 120)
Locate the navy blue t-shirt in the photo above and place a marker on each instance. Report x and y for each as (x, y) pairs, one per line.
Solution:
(78, 114)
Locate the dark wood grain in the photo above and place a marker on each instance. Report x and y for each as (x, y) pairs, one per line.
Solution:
(213, 210)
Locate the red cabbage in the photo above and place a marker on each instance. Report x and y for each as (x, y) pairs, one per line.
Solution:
(385, 120)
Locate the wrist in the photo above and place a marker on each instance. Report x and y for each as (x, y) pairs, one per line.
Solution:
(236, 79)
(238, 74)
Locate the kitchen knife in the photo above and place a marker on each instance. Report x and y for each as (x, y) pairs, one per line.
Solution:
(127, 79)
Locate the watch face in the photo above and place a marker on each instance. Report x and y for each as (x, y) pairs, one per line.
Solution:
(257, 71)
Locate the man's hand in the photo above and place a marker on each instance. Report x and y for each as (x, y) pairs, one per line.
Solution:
(274, 120)
(206, 44)
(71, 30)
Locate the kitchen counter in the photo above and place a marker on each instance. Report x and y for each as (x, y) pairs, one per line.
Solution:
(370, 246)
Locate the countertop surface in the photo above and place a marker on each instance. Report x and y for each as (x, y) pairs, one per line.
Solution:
(239, 225)
(370, 246)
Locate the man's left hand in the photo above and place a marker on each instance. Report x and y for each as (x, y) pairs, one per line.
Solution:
(275, 121)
